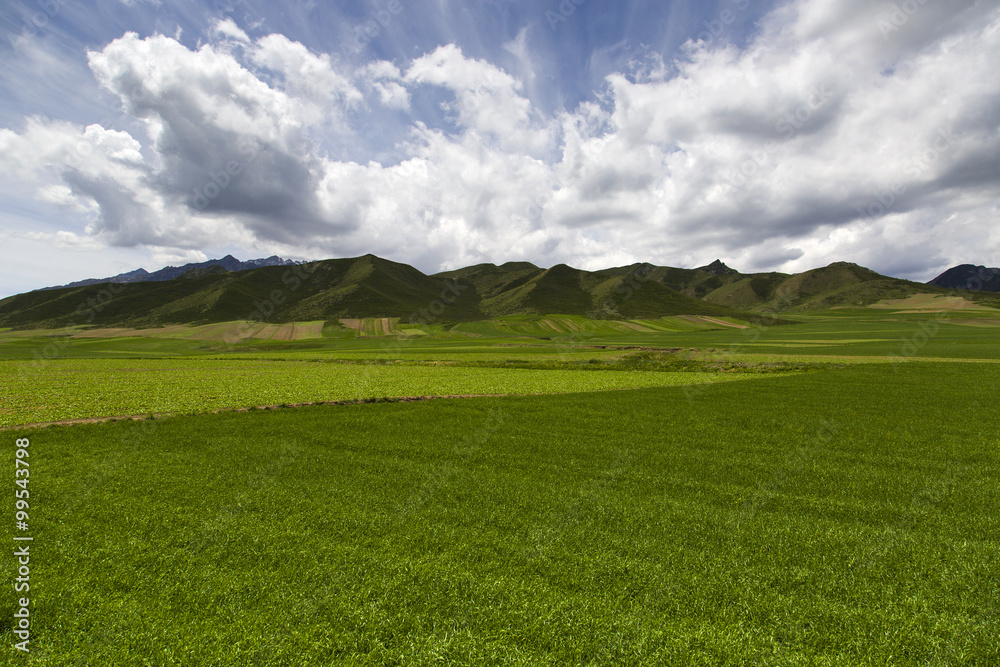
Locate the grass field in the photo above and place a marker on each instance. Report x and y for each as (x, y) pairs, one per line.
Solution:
(79, 389)
(639, 511)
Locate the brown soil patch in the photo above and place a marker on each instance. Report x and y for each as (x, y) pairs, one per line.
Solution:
(285, 332)
(723, 323)
(921, 303)
(267, 331)
(636, 327)
(307, 330)
(354, 325)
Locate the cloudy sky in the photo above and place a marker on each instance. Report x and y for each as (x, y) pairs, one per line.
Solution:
(442, 133)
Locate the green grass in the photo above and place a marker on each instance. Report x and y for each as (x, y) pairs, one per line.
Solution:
(76, 389)
(849, 517)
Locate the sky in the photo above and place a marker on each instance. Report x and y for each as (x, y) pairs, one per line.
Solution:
(774, 135)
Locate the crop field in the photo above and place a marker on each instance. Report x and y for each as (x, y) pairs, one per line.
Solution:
(609, 497)
(81, 389)
(574, 325)
(373, 326)
(823, 518)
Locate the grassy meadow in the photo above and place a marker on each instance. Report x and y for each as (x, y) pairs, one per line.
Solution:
(659, 492)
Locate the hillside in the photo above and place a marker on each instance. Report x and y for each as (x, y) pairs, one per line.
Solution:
(352, 288)
(841, 284)
(371, 287)
(971, 277)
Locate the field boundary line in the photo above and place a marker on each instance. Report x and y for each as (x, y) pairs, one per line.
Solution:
(282, 406)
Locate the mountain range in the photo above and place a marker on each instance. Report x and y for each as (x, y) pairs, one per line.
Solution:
(229, 263)
(971, 277)
(369, 286)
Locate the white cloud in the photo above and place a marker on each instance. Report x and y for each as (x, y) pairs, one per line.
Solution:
(488, 100)
(823, 139)
(307, 77)
(228, 28)
(384, 78)
(64, 240)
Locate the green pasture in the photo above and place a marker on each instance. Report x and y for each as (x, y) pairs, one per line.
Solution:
(608, 498)
(83, 388)
(846, 517)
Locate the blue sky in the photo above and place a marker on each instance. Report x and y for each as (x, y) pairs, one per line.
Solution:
(774, 135)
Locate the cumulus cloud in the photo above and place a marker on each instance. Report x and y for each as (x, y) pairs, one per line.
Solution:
(384, 78)
(841, 131)
(228, 28)
(487, 99)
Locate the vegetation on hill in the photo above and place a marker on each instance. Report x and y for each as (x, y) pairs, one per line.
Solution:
(371, 287)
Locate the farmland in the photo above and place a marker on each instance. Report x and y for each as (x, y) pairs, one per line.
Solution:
(107, 388)
(825, 492)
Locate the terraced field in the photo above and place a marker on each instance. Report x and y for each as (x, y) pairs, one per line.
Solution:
(374, 326)
(225, 331)
(533, 325)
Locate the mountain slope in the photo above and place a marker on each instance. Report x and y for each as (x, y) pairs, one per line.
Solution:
(369, 286)
(353, 288)
(840, 284)
(969, 276)
(227, 263)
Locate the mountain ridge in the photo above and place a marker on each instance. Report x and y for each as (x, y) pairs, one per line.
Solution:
(969, 276)
(369, 286)
(229, 263)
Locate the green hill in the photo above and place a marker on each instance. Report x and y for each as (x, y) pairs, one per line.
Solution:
(361, 287)
(371, 287)
(840, 284)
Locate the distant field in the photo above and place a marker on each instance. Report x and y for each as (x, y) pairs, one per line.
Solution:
(225, 331)
(925, 302)
(575, 325)
(83, 388)
(374, 326)
(832, 518)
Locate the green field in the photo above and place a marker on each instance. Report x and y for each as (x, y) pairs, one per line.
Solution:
(82, 388)
(623, 504)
